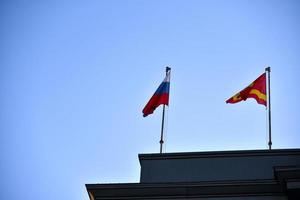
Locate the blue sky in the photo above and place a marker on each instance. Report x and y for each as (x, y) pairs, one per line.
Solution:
(75, 76)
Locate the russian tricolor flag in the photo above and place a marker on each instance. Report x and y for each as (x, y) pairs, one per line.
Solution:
(161, 95)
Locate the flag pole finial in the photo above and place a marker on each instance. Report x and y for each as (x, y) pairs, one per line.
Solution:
(168, 69)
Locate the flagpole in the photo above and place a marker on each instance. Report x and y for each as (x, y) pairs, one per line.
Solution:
(162, 130)
(268, 70)
(163, 120)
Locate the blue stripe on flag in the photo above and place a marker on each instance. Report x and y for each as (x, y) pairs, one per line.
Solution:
(163, 88)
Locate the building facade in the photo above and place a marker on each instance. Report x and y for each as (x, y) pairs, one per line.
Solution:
(218, 175)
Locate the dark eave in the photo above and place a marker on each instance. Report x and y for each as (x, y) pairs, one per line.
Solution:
(185, 190)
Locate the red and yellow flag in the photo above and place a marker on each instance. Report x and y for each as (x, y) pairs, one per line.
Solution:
(256, 90)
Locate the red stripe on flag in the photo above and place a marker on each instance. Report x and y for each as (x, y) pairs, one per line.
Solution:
(154, 102)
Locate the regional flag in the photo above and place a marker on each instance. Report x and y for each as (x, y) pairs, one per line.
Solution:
(256, 90)
(161, 95)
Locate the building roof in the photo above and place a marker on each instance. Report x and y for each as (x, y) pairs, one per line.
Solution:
(265, 174)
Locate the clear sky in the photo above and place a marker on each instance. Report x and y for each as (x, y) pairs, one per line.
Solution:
(75, 76)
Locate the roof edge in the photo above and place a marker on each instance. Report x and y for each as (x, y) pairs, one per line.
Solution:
(187, 190)
(211, 154)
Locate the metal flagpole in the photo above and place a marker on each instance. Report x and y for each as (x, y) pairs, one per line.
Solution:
(162, 130)
(163, 121)
(268, 70)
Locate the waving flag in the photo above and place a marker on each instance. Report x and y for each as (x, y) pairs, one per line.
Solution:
(256, 90)
(161, 96)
